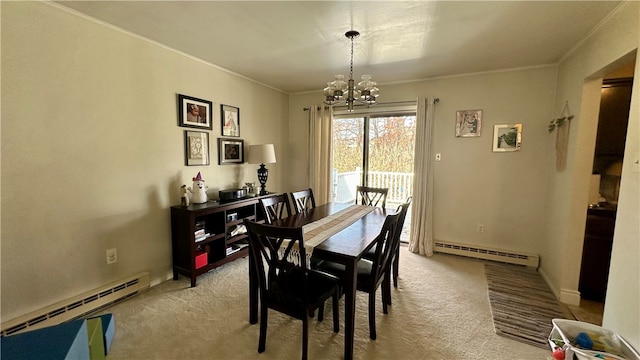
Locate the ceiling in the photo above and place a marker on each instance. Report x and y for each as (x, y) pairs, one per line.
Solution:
(297, 46)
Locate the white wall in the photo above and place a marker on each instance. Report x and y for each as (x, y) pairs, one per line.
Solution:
(579, 79)
(473, 184)
(621, 312)
(92, 156)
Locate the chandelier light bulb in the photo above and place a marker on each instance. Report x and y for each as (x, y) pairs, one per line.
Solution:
(329, 92)
(339, 86)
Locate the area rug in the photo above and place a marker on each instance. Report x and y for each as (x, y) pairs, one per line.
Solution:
(522, 305)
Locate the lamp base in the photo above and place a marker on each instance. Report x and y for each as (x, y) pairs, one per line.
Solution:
(263, 174)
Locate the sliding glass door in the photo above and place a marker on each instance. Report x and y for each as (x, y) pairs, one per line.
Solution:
(348, 157)
(373, 150)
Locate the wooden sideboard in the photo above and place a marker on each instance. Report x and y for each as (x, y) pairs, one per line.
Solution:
(203, 238)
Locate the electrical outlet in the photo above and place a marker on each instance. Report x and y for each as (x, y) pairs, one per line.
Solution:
(112, 256)
(480, 228)
(438, 157)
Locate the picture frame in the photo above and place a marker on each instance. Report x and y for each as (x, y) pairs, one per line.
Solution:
(507, 137)
(194, 112)
(230, 120)
(468, 123)
(230, 151)
(196, 150)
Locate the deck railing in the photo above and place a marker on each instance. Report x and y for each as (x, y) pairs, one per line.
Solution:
(399, 185)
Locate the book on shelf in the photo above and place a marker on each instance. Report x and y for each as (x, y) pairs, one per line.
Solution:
(235, 248)
(238, 230)
(202, 237)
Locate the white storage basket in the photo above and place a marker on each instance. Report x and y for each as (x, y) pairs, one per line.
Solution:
(606, 344)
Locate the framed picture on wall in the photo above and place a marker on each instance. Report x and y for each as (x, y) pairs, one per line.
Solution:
(196, 145)
(230, 151)
(468, 123)
(507, 137)
(230, 118)
(194, 112)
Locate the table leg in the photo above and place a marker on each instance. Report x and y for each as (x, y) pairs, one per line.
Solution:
(350, 309)
(253, 291)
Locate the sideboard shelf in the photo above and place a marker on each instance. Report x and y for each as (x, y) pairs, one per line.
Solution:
(217, 246)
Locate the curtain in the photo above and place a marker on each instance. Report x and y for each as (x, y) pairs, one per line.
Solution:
(421, 238)
(320, 152)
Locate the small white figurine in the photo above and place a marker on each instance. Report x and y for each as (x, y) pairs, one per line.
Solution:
(198, 193)
(184, 197)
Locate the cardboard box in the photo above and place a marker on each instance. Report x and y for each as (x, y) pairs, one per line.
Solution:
(108, 330)
(96, 339)
(67, 341)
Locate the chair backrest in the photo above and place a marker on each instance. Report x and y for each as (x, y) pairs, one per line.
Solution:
(372, 196)
(275, 207)
(303, 200)
(385, 247)
(279, 256)
(403, 209)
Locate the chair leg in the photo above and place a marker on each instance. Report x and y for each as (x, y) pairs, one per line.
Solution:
(386, 295)
(305, 337)
(372, 315)
(396, 265)
(386, 292)
(262, 343)
(336, 312)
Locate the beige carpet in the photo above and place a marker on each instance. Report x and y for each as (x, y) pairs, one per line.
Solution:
(439, 311)
(522, 304)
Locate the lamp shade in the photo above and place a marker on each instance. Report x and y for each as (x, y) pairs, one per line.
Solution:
(262, 154)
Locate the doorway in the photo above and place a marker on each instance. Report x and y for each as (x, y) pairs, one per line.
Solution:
(615, 102)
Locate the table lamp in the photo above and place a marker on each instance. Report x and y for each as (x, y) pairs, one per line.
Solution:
(262, 154)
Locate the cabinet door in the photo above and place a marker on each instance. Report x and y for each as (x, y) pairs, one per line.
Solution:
(614, 115)
(596, 257)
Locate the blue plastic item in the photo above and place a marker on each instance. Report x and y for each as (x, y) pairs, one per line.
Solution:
(584, 341)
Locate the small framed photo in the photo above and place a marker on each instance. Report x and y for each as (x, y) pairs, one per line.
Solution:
(507, 137)
(194, 112)
(230, 117)
(468, 123)
(230, 151)
(196, 145)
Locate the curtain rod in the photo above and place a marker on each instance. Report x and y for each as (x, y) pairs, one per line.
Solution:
(435, 101)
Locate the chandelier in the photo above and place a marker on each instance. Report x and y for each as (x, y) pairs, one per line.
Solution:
(365, 92)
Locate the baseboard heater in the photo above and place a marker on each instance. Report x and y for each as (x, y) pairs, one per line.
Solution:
(505, 256)
(78, 306)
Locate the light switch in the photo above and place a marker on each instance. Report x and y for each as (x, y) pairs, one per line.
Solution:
(438, 157)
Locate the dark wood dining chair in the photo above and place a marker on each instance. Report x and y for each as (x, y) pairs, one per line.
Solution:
(396, 257)
(303, 200)
(374, 273)
(275, 207)
(371, 196)
(285, 285)
(395, 261)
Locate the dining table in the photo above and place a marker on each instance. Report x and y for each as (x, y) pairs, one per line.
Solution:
(345, 244)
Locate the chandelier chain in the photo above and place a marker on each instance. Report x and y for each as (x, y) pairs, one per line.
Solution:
(351, 65)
